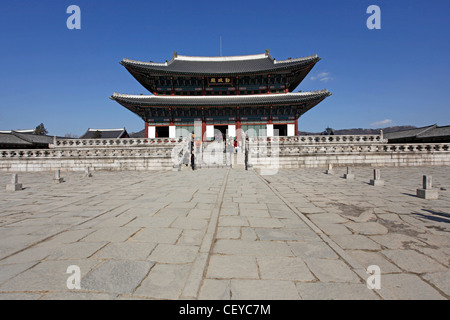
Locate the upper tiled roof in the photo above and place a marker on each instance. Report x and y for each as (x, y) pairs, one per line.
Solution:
(231, 65)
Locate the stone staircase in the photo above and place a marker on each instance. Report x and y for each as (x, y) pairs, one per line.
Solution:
(234, 160)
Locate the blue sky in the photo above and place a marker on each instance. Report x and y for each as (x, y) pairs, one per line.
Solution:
(398, 75)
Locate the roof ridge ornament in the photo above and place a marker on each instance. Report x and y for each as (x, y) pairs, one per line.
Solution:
(126, 61)
(313, 57)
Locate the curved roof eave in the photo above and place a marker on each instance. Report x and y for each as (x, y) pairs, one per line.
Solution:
(185, 65)
(242, 100)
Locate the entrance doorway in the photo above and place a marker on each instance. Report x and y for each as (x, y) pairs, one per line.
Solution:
(282, 130)
(162, 132)
(222, 129)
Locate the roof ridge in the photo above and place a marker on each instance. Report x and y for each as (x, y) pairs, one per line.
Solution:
(178, 57)
(222, 58)
(21, 136)
(427, 129)
(116, 129)
(314, 56)
(145, 63)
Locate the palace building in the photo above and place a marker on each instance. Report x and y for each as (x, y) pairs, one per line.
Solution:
(221, 93)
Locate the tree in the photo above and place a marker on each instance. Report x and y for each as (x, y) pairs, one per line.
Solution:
(40, 130)
(328, 131)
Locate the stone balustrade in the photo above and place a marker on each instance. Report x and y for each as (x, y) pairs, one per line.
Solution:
(103, 154)
(299, 149)
(263, 154)
(108, 143)
(290, 152)
(322, 139)
(86, 153)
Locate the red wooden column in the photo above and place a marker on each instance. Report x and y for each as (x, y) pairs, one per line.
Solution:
(270, 116)
(203, 87)
(203, 130)
(146, 130)
(296, 128)
(238, 130)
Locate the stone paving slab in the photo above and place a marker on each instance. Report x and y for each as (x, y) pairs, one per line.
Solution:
(334, 291)
(232, 267)
(263, 290)
(117, 276)
(225, 234)
(165, 281)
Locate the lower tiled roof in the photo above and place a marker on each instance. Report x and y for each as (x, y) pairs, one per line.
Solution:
(237, 100)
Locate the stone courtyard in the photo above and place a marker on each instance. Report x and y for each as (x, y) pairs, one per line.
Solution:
(225, 234)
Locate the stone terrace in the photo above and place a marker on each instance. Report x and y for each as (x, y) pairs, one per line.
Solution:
(225, 234)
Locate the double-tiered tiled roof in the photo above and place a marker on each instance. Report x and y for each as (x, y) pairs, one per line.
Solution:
(233, 87)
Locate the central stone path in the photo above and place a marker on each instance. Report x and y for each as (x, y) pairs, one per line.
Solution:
(264, 250)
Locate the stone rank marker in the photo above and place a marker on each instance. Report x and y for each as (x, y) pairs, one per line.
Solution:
(87, 172)
(427, 192)
(376, 181)
(330, 169)
(14, 185)
(57, 178)
(349, 174)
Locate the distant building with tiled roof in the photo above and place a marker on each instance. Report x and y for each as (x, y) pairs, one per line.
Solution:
(432, 133)
(23, 139)
(105, 133)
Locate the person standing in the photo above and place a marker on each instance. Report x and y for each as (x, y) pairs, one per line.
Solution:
(192, 160)
(192, 152)
(246, 153)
